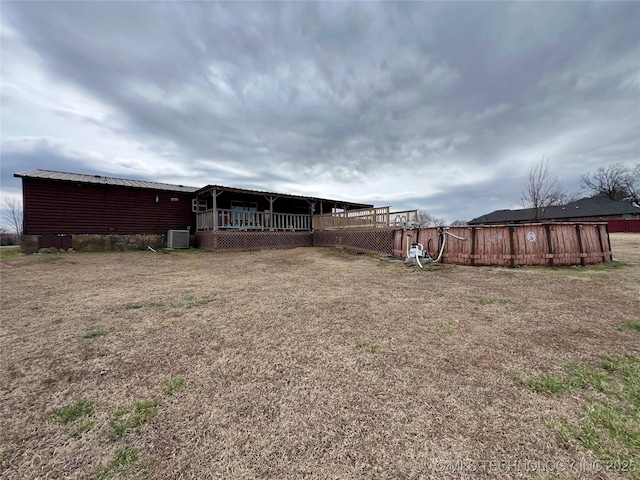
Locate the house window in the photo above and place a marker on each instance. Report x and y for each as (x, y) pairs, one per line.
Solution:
(244, 206)
(198, 205)
(240, 216)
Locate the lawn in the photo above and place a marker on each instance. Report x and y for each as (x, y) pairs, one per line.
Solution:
(317, 363)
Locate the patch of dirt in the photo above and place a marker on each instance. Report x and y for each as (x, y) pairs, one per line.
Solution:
(310, 362)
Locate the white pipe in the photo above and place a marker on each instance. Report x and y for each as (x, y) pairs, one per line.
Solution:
(444, 241)
(455, 236)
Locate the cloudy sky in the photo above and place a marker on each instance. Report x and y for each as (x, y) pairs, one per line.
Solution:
(439, 106)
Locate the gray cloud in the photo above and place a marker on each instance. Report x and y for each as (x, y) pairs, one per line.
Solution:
(286, 93)
(28, 155)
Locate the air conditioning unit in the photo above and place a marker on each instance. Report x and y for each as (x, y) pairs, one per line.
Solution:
(178, 239)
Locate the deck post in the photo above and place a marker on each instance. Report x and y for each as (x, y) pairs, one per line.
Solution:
(312, 208)
(271, 199)
(214, 195)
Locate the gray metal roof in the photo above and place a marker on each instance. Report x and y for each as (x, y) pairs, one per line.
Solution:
(585, 207)
(593, 207)
(123, 182)
(102, 180)
(284, 195)
(505, 216)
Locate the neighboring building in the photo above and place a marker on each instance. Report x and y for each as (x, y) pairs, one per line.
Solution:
(589, 209)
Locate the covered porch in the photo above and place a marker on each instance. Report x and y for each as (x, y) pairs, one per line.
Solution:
(233, 209)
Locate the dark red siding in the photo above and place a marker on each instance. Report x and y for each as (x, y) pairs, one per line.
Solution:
(54, 207)
(628, 226)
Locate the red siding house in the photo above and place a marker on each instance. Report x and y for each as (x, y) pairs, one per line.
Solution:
(62, 210)
(72, 203)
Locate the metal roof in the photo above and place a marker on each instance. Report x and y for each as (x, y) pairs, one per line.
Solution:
(585, 207)
(102, 180)
(123, 182)
(283, 195)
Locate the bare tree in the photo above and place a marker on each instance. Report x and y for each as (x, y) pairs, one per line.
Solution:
(459, 223)
(13, 215)
(633, 185)
(616, 182)
(425, 219)
(542, 190)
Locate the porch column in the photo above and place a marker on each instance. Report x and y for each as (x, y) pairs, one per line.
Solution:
(214, 195)
(271, 200)
(196, 208)
(214, 204)
(312, 208)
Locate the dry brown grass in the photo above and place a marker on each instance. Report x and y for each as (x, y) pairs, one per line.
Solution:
(282, 377)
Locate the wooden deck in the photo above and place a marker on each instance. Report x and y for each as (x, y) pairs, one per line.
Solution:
(366, 218)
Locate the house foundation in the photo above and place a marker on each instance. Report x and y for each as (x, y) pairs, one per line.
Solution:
(91, 243)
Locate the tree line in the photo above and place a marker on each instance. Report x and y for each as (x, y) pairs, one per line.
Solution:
(617, 181)
(542, 189)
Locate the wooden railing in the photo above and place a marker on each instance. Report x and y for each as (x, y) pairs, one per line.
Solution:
(367, 217)
(290, 221)
(406, 218)
(222, 219)
(379, 217)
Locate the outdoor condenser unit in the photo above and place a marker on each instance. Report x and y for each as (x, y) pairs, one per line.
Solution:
(178, 239)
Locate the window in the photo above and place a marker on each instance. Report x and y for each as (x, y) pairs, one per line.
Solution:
(237, 205)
